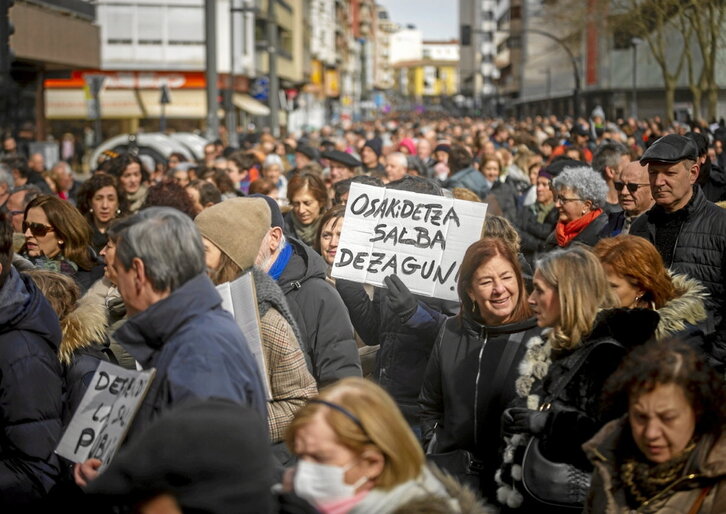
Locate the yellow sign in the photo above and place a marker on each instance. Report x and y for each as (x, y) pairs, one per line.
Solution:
(332, 83)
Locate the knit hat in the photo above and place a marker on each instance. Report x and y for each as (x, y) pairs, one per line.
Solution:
(237, 227)
(276, 219)
(408, 144)
(376, 145)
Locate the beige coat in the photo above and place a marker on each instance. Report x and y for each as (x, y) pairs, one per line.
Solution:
(708, 472)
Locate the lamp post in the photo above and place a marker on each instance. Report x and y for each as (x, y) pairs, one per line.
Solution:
(634, 96)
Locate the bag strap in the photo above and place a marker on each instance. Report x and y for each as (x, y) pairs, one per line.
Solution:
(505, 363)
(561, 384)
(699, 501)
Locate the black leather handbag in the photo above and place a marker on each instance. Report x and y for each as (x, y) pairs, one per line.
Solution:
(557, 484)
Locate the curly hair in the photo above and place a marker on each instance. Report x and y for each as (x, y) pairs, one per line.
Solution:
(170, 194)
(669, 362)
(637, 261)
(586, 184)
(88, 190)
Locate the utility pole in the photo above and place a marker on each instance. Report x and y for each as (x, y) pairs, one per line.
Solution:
(234, 54)
(210, 35)
(6, 58)
(272, 68)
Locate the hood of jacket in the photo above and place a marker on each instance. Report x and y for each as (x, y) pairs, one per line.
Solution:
(146, 332)
(23, 307)
(709, 457)
(269, 295)
(83, 327)
(629, 327)
(687, 308)
(304, 265)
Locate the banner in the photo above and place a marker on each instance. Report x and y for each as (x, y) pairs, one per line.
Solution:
(105, 413)
(420, 238)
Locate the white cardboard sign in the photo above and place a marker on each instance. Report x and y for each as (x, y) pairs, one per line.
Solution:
(105, 413)
(420, 238)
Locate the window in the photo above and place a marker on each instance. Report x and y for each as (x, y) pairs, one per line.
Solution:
(119, 19)
(149, 30)
(185, 25)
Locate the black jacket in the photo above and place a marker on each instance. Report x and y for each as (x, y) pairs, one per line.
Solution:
(321, 316)
(405, 348)
(700, 253)
(466, 389)
(533, 233)
(30, 392)
(506, 196)
(589, 236)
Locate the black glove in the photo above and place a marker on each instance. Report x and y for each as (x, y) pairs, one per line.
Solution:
(518, 420)
(401, 299)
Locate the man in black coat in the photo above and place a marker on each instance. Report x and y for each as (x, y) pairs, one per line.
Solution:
(328, 341)
(687, 229)
(31, 386)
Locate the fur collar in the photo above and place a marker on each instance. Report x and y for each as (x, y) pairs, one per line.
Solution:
(85, 326)
(685, 309)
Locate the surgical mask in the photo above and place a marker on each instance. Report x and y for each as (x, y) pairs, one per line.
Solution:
(320, 483)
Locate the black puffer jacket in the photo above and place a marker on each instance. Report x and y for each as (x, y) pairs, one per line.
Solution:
(405, 348)
(30, 393)
(323, 321)
(469, 382)
(700, 253)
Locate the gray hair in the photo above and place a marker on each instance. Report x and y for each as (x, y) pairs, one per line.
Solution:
(400, 157)
(585, 182)
(272, 160)
(608, 155)
(31, 193)
(167, 242)
(6, 176)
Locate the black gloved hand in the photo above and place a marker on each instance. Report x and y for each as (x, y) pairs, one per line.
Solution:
(401, 299)
(518, 420)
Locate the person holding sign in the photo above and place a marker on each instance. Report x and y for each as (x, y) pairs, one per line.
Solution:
(232, 232)
(31, 386)
(470, 376)
(176, 322)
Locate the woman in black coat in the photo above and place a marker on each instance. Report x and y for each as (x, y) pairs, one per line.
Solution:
(470, 376)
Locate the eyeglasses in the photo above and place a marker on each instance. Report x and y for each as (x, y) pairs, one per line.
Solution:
(37, 229)
(632, 186)
(562, 199)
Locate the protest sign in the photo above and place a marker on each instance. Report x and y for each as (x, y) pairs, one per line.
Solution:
(105, 413)
(240, 300)
(420, 238)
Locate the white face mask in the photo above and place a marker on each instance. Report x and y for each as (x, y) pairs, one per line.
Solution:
(321, 483)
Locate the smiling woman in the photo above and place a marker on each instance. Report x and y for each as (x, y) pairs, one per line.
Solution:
(100, 201)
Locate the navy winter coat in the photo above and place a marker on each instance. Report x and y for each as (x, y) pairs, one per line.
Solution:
(31, 391)
(197, 349)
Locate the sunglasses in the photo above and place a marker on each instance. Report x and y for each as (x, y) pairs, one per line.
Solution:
(632, 186)
(37, 229)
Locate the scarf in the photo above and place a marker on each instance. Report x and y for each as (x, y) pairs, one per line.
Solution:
(566, 232)
(281, 262)
(305, 232)
(643, 479)
(542, 211)
(59, 264)
(136, 200)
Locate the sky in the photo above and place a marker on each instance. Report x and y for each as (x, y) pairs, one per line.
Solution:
(437, 19)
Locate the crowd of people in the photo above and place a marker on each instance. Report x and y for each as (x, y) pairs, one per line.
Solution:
(581, 369)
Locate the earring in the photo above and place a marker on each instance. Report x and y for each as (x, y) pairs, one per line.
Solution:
(118, 211)
(60, 242)
(473, 306)
(90, 210)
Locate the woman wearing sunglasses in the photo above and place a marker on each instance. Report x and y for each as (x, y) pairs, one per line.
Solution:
(58, 238)
(579, 194)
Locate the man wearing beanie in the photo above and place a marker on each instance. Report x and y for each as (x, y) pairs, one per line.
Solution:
(232, 232)
(370, 154)
(321, 315)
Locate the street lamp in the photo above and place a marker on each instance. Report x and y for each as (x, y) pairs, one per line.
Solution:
(634, 42)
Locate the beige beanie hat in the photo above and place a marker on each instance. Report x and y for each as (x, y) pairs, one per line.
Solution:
(237, 227)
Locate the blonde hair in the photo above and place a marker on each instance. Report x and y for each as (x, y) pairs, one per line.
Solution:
(382, 427)
(462, 193)
(582, 289)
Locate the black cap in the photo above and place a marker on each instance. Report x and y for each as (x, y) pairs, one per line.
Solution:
(211, 455)
(343, 158)
(443, 147)
(275, 213)
(579, 130)
(376, 145)
(555, 168)
(308, 151)
(671, 149)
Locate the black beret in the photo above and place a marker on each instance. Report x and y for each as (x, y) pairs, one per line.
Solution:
(308, 151)
(443, 148)
(671, 149)
(276, 219)
(555, 168)
(343, 158)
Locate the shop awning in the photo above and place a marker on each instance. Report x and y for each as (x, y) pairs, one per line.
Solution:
(72, 104)
(250, 105)
(185, 103)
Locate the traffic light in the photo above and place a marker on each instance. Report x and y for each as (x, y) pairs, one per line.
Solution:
(6, 30)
